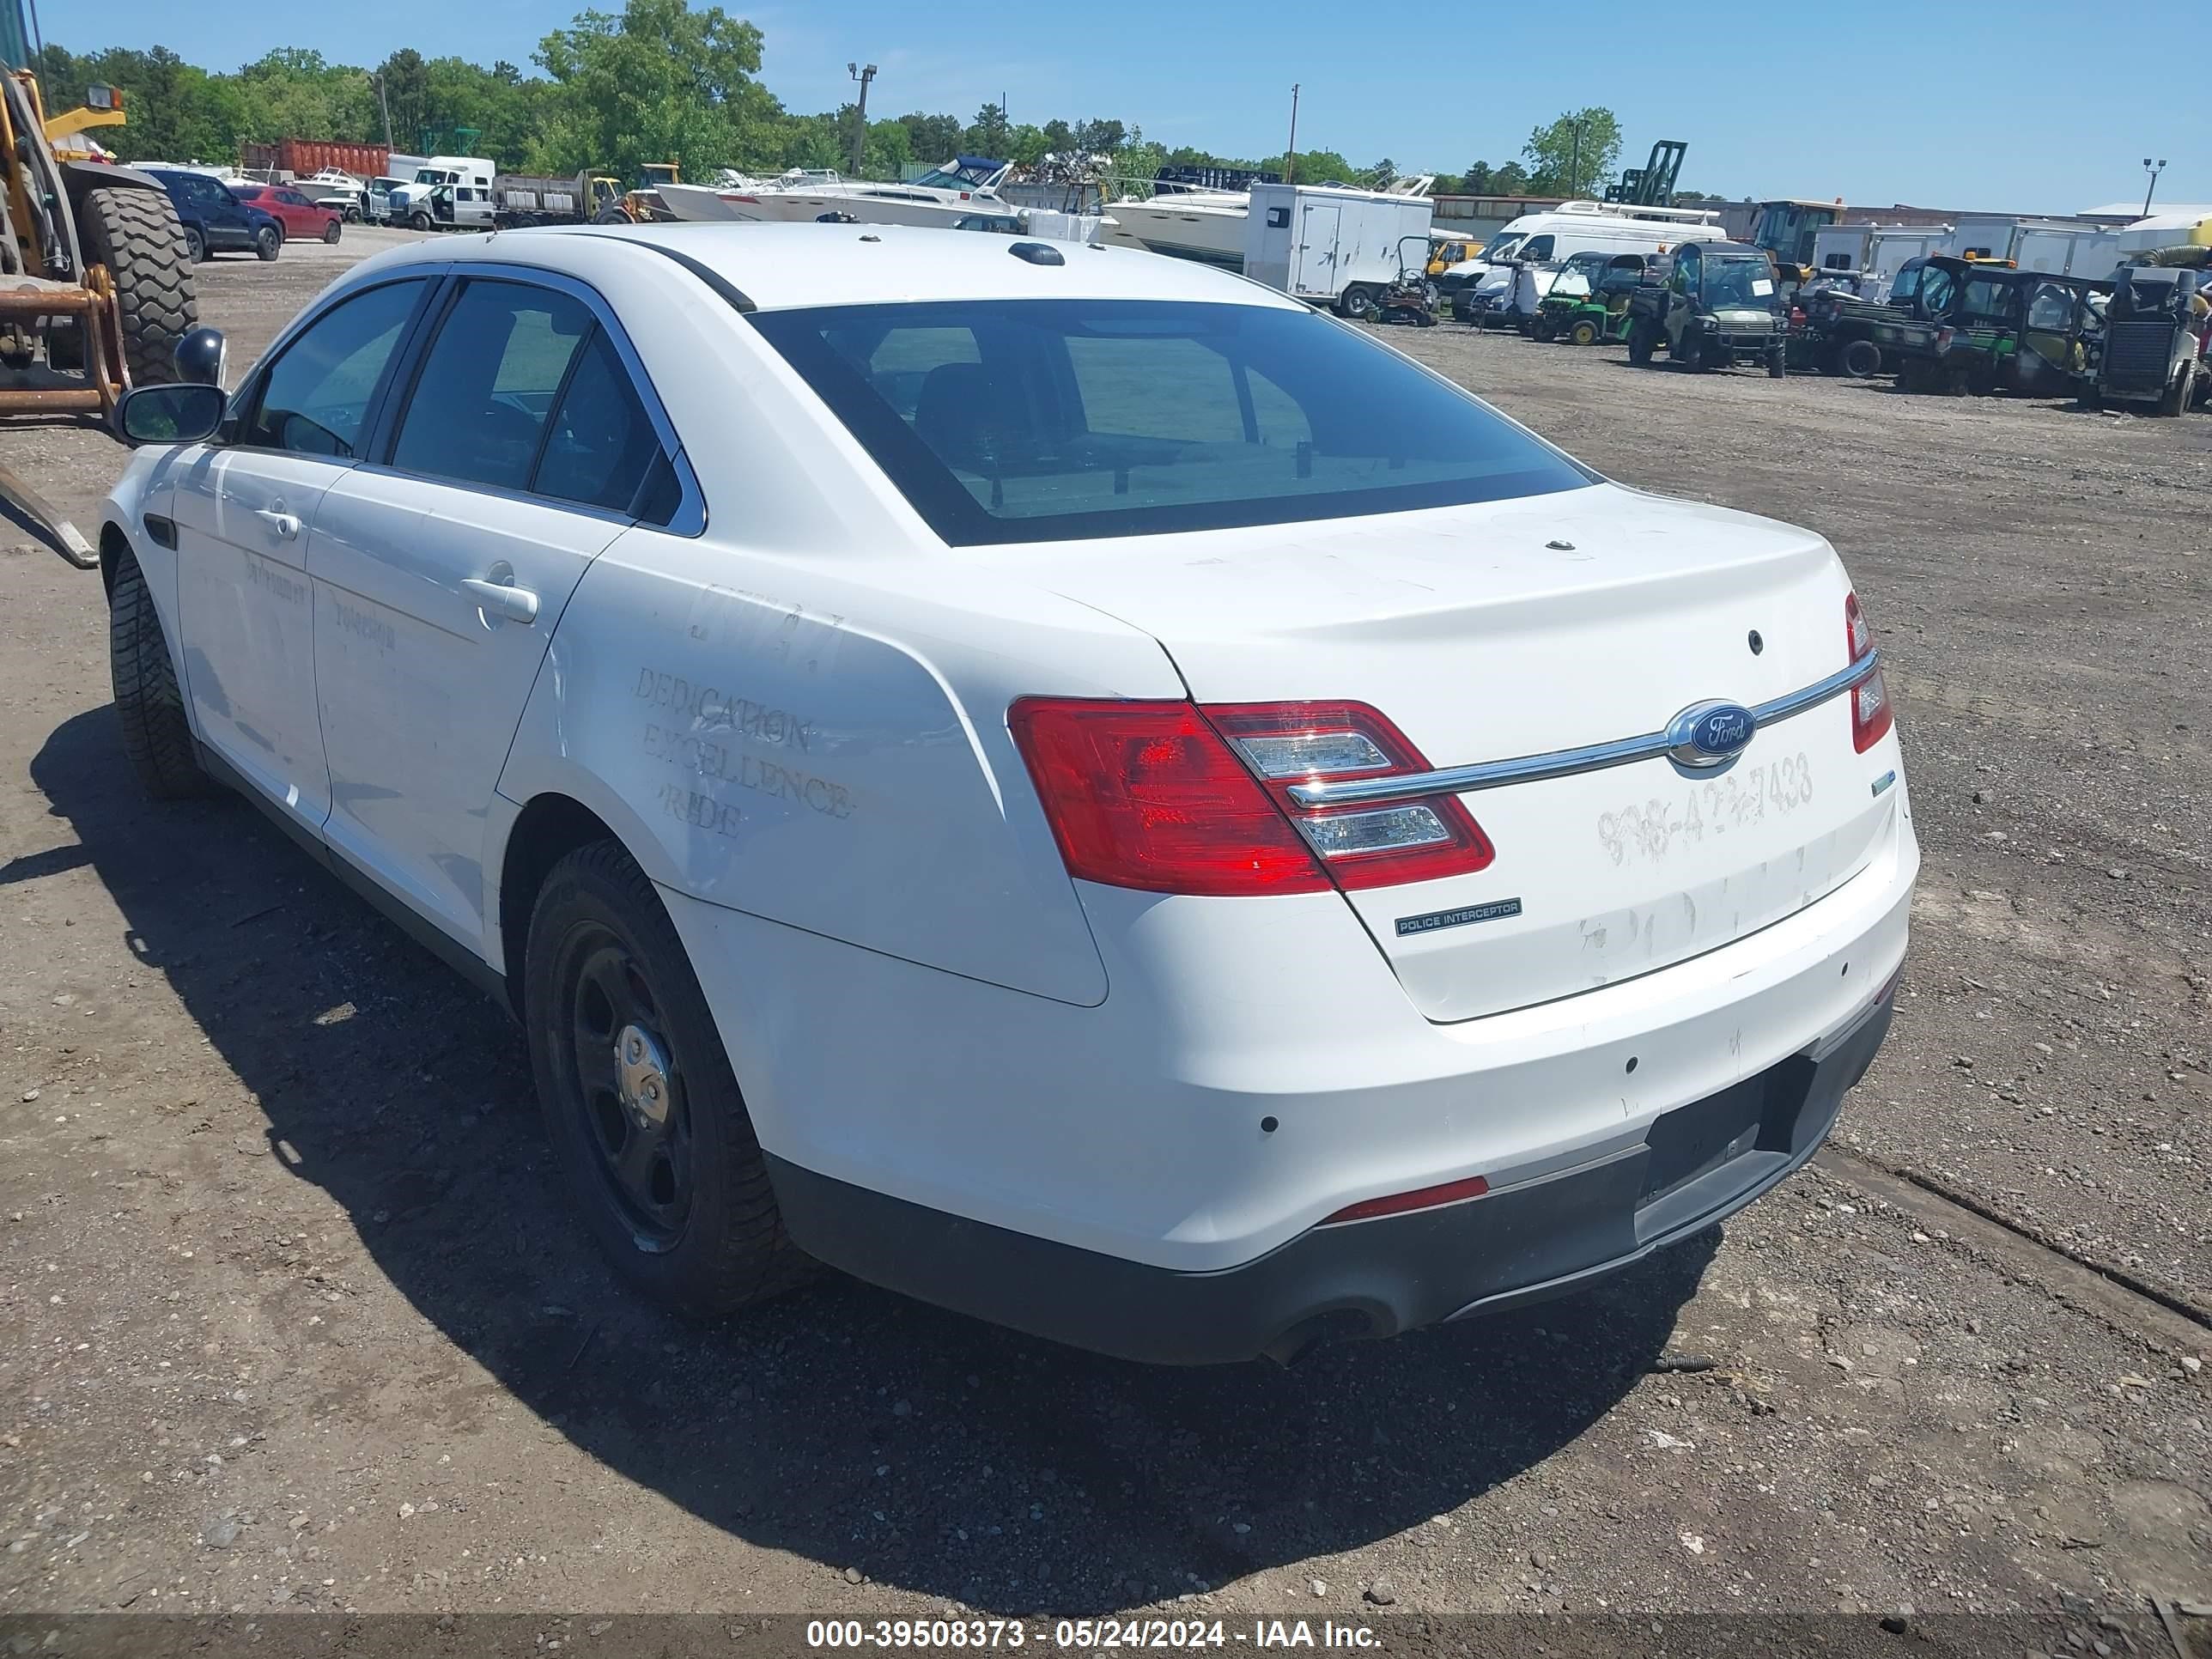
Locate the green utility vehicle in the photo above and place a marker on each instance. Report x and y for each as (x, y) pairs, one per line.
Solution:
(1589, 305)
(1714, 309)
(1991, 329)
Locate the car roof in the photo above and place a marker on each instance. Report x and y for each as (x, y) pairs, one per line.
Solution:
(786, 266)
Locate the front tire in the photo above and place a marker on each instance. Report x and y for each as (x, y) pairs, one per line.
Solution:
(1583, 333)
(2179, 392)
(136, 235)
(642, 1107)
(267, 243)
(1642, 339)
(333, 231)
(419, 221)
(157, 740)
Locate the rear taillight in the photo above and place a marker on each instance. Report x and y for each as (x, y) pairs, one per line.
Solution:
(1288, 743)
(1147, 795)
(1171, 799)
(1871, 716)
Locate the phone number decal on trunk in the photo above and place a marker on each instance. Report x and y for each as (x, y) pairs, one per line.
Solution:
(1742, 796)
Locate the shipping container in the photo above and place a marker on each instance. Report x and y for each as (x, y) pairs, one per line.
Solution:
(303, 158)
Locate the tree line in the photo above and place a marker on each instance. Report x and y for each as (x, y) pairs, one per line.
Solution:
(661, 81)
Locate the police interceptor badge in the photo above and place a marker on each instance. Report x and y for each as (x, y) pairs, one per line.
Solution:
(1496, 910)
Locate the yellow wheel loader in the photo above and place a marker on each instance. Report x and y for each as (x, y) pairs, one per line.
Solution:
(95, 286)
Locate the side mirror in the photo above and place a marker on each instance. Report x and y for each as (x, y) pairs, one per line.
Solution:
(200, 355)
(184, 412)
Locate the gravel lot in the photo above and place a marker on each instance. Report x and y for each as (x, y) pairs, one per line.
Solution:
(291, 1317)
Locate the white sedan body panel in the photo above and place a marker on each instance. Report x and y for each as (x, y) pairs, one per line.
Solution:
(796, 722)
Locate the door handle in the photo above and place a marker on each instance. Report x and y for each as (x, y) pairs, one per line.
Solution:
(286, 525)
(502, 599)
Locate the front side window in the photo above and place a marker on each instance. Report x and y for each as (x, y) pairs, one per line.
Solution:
(478, 410)
(315, 398)
(1536, 249)
(1503, 246)
(1045, 419)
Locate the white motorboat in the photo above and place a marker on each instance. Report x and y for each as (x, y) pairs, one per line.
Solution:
(965, 186)
(1197, 224)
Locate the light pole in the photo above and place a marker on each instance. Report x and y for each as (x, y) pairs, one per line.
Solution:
(2151, 187)
(383, 101)
(860, 115)
(1575, 166)
(1290, 156)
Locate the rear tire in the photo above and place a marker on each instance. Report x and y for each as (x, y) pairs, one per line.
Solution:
(1357, 302)
(1860, 359)
(610, 215)
(680, 1201)
(136, 235)
(333, 230)
(1543, 330)
(267, 243)
(196, 248)
(156, 738)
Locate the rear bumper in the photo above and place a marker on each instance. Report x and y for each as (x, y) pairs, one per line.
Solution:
(1533, 1236)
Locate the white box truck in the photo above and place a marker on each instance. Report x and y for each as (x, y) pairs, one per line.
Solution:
(1333, 246)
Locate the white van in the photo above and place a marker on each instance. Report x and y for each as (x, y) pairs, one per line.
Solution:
(1530, 247)
(1585, 228)
(471, 176)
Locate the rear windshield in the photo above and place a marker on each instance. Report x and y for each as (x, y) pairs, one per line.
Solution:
(1052, 420)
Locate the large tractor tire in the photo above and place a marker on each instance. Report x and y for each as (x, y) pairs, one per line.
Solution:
(135, 234)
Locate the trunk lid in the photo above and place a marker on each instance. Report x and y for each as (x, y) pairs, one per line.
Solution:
(1513, 628)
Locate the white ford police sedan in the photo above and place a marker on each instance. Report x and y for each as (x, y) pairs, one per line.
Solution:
(1054, 780)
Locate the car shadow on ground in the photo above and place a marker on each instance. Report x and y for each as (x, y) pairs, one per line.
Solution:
(845, 1425)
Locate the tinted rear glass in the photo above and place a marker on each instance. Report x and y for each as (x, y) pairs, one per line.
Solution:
(1050, 420)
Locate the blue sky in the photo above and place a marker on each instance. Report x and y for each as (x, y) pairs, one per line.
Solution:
(2010, 110)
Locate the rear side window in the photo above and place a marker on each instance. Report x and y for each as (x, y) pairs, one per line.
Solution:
(601, 443)
(314, 399)
(1046, 420)
(478, 411)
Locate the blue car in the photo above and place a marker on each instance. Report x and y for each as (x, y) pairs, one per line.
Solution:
(214, 221)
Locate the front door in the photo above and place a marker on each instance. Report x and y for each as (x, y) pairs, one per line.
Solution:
(244, 513)
(223, 218)
(439, 577)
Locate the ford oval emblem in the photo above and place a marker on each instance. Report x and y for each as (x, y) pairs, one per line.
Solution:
(1709, 733)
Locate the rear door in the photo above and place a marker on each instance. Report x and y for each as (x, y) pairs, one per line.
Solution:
(522, 449)
(1314, 270)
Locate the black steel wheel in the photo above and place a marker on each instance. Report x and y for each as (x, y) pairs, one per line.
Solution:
(641, 1105)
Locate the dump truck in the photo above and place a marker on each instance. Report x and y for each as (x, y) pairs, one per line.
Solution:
(529, 199)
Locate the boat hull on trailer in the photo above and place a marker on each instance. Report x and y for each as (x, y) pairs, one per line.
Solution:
(1209, 229)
